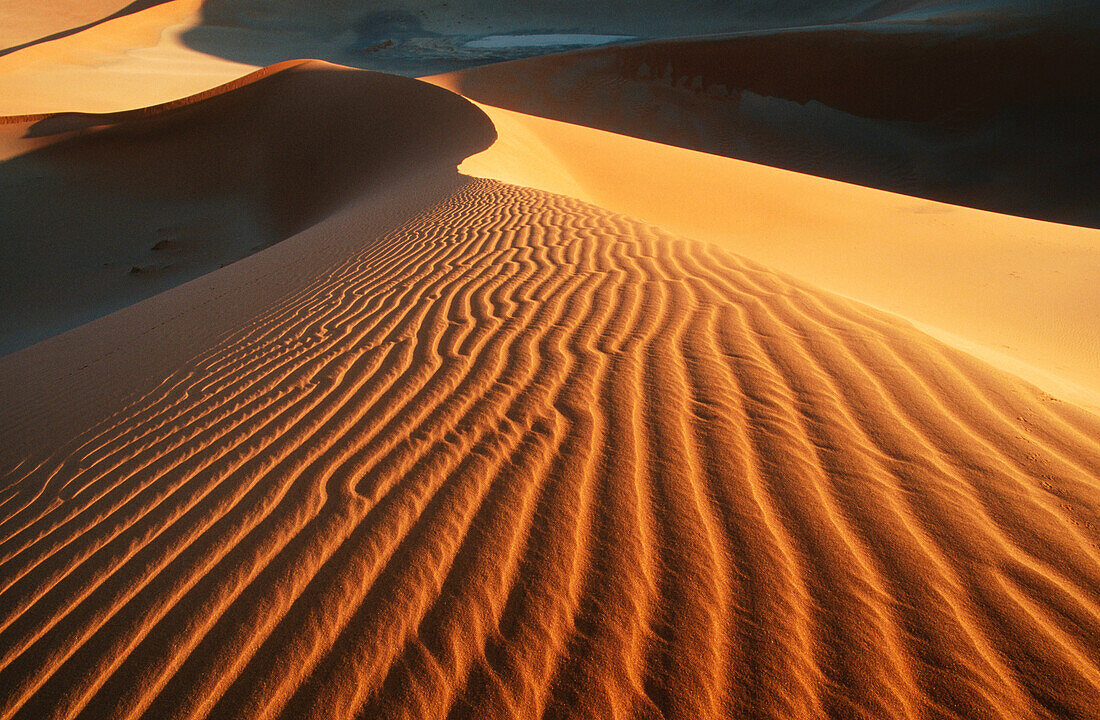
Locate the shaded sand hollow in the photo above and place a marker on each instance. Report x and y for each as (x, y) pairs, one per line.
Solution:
(468, 449)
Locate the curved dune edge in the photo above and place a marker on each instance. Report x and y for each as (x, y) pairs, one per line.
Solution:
(990, 113)
(161, 195)
(520, 456)
(22, 133)
(1019, 293)
(1022, 314)
(97, 119)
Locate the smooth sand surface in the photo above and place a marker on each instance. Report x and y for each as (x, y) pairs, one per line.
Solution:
(23, 23)
(108, 55)
(567, 440)
(996, 114)
(129, 62)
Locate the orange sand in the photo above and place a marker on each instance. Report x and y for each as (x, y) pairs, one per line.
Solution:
(519, 456)
(1020, 293)
(468, 449)
(989, 113)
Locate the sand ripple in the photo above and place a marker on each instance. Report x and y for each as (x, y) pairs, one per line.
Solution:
(523, 457)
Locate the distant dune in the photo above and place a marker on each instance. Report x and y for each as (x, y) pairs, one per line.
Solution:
(434, 409)
(22, 22)
(996, 114)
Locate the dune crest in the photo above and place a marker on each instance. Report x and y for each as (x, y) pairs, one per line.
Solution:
(994, 113)
(1020, 293)
(359, 399)
(157, 196)
(521, 456)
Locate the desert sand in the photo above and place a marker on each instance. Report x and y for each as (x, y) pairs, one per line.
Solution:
(1021, 293)
(995, 114)
(488, 415)
(160, 195)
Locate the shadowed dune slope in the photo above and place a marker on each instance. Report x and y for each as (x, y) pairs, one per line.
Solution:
(522, 457)
(419, 37)
(991, 114)
(656, 17)
(157, 196)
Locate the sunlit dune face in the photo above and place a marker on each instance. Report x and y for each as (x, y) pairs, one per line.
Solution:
(1018, 292)
(529, 456)
(389, 404)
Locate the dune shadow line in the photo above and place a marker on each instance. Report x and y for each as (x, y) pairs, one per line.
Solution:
(136, 6)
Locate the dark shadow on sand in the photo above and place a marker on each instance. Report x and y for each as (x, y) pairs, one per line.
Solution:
(999, 118)
(990, 104)
(120, 207)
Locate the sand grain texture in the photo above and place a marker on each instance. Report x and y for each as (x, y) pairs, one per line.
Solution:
(1019, 293)
(457, 447)
(524, 457)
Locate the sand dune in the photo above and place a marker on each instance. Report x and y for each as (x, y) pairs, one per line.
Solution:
(158, 196)
(582, 431)
(521, 456)
(418, 37)
(1020, 293)
(994, 113)
(151, 51)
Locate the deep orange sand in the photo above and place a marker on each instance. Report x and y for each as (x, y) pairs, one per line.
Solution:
(467, 449)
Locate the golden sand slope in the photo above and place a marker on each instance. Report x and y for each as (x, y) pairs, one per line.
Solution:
(129, 61)
(1021, 293)
(23, 22)
(993, 112)
(521, 456)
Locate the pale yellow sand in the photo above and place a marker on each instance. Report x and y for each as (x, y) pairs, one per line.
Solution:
(24, 22)
(126, 63)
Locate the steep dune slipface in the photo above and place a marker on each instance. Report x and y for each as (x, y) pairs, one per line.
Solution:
(523, 457)
(115, 208)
